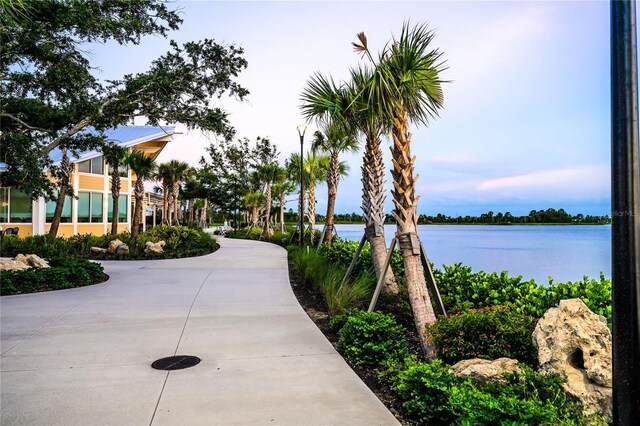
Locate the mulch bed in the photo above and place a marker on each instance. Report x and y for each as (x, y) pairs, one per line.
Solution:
(316, 308)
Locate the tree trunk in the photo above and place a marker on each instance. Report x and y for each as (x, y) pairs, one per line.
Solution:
(333, 178)
(176, 189)
(406, 215)
(137, 210)
(282, 228)
(63, 185)
(115, 195)
(203, 215)
(373, 200)
(166, 220)
(311, 214)
(191, 211)
(267, 212)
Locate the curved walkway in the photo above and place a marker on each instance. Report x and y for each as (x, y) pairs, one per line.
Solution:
(82, 356)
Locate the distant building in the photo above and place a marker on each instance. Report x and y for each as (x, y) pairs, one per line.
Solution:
(92, 211)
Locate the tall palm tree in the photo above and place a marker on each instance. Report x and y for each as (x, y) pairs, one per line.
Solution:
(315, 167)
(406, 87)
(115, 157)
(163, 175)
(174, 172)
(144, 167)
(280, 190)
(268, 174)
(335, 140)
(324, 101)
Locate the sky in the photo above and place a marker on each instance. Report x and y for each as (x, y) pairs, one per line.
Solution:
(526, 117)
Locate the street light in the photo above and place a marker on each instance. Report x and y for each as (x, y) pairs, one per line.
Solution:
(301, 129)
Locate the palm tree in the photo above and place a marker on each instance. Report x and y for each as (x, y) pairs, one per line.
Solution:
(335, 140)
(253, 201)
(115, 156)
(280, 190)
(315, 168)
(172, 174)
(268, 174)
(163, 175)
(144, 167)
(406, 86)
(323, 100)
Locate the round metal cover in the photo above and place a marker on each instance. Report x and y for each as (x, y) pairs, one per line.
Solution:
(177, 362)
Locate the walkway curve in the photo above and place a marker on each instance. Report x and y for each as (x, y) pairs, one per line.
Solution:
(82, 356)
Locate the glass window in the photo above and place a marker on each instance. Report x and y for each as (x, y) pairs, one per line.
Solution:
(96, 166)
(84, 166)
(4, 205)
(66, 209)
(19, 206)
(96, 207)
(122, 208)
(84, 207)
(123, 171)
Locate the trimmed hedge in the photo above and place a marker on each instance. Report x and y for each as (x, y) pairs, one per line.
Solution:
(63, 273)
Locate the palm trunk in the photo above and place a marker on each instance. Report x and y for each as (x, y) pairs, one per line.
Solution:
(191, 211)
(203, 215)
(137, 210)
(282, 229)
(176, 189)
(267, 212)
(165, 205)
(373, 200)
(115, 195)
(311, 214)
(406, 215)
(333, 178)
(63, 185)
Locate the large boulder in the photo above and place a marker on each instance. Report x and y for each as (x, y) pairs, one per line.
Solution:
(484, 370)
(122, 249)
(113, 246)
(154, 248)
(575, 343)
(37, 261)
(8, 264)
(22, 262)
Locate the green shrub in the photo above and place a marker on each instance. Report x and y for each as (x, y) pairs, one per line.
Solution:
(431, 394)
(63, 273)
(488, 333)
(371, 338)
(461, 289)
(342, 252)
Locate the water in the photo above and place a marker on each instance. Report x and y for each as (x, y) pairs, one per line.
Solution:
(566, 253)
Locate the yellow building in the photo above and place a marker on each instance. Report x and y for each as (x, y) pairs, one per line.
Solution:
(91, 212)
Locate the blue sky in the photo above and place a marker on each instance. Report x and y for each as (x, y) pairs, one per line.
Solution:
(526, 122)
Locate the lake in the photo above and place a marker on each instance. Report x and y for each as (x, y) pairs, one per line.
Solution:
(565, 253)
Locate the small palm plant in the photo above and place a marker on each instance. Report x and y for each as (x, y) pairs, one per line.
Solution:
(252, 202)
(268, 173)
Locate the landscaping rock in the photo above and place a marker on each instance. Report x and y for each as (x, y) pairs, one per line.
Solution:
(37, 261)
(154, 248)
(575, 343)
(98, 250)
(7, 264)
(122, 249)
(484, 370)
(113, 246)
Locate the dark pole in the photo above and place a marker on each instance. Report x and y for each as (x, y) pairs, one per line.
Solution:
(625, 210)
(301, 130)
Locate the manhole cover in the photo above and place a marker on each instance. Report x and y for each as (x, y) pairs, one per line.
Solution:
(177, 362)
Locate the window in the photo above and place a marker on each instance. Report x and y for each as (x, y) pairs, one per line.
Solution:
(89, 207)
(122, 208)
(123, 171)
(15, 206)
(66, 209)
(93, 166)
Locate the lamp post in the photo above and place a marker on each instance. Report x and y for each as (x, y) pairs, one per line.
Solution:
(301, 129)
(625, 227)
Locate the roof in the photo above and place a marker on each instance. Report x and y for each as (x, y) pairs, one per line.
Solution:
(125, 136)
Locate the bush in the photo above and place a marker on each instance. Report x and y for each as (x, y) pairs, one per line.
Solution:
(461, 289)
(63, 273)
(370, 338)
(488, 333)
(342, 252)
(431, 394)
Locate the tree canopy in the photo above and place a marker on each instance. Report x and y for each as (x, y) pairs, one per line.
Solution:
(51, 95)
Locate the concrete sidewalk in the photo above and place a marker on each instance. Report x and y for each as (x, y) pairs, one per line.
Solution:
(82, 356)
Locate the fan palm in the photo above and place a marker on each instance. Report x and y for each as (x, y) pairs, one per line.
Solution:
(268, 173)
(253, 201)
(172, 174)
(144, 167)
(335, 140)
(406, 86)
(324, 101)
(280, 190)
(315, 167)
(115, 156)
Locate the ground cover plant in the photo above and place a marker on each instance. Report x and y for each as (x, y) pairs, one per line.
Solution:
(63, 273)
(181, 241)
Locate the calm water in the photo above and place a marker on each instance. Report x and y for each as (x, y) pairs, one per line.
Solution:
(565, 253)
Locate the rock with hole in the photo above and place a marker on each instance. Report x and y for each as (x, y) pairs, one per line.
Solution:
(575, 343)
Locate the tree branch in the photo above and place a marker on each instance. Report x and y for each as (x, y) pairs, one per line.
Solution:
(22, 123)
